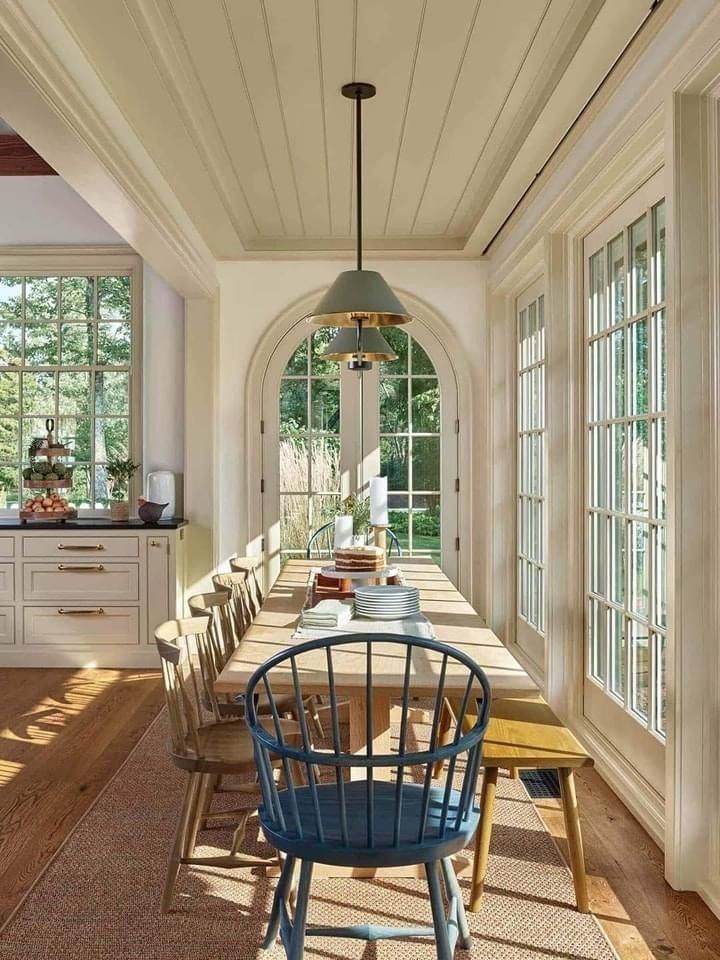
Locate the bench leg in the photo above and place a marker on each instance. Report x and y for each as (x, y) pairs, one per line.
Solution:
(482, 837)
(574, 838)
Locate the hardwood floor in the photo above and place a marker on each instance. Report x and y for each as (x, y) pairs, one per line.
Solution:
(64, 733)
(642, 916)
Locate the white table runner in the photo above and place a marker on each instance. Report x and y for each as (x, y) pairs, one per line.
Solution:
(415, 626)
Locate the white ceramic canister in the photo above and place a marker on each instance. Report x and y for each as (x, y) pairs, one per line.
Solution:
(160, 488)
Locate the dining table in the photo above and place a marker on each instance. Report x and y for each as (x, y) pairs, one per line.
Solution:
(454, 622)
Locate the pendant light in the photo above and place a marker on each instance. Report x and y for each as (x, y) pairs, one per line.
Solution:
(359, 298)
(372, 347)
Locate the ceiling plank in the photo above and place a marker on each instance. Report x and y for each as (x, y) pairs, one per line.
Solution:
(558, 37)
(337, 41)
(293, 41)
(18, 159)
(498, 44)
(387, 42)
(250, 37)
(441, 50)
(604, 41)
(209, 42)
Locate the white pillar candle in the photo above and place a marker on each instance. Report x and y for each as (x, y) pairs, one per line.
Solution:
(343, 532)
(378, 502)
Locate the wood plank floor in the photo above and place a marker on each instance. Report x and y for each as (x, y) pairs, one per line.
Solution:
(64, 733)
(642, 916)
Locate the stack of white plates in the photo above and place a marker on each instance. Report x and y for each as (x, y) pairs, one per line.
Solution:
(387, 603)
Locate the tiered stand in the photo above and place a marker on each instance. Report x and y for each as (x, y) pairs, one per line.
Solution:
(51, 453)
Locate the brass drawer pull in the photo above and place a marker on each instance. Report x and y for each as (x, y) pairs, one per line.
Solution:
(80, 567)
(85, 611)
(80, 546)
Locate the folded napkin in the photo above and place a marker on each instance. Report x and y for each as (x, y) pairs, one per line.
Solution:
(328, 613)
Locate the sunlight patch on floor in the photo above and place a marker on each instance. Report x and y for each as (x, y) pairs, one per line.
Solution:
(47, 719)
(9, 769)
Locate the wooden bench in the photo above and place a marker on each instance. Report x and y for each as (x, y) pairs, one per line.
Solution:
(525, 734)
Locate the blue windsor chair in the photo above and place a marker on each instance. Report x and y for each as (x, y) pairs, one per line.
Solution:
(321, 543)
(369, 810)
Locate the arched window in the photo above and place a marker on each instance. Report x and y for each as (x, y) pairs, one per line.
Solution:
(327, 430)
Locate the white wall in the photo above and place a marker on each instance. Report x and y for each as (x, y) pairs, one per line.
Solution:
(45, 211)
(253, 294)
(163, 375)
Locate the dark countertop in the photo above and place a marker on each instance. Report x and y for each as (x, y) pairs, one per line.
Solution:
(89, 523)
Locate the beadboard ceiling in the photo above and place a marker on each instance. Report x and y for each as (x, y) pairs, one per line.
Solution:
(238, 104)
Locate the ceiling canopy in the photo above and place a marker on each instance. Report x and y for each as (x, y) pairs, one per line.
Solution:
(237, 104)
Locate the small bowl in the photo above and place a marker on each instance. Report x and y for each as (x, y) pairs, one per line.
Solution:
(150, 512)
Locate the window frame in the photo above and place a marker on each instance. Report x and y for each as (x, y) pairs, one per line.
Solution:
(94, 261)
(621, 724)
(528, 635)
(410, 434)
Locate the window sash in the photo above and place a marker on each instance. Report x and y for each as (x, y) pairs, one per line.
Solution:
(626, 466)
(531, 452)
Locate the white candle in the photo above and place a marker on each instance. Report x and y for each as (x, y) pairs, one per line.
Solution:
(343, 532)
(378, 502)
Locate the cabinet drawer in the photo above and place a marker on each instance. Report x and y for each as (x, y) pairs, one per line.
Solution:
(86, 546)
(81, 625)
(73, 581)
(7, 546)
(7, 582)
(7, 625)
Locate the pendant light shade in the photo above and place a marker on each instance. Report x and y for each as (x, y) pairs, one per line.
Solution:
(373, 346)
(359, 296)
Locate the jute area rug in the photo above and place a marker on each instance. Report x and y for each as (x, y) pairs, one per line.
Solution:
(99, 900)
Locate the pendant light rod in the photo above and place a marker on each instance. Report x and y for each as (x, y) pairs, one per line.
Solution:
(358, 92)
(358, 177)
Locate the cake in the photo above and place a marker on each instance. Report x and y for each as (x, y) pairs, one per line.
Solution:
(366, 559)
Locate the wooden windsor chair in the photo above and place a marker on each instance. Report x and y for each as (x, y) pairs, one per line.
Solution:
(321, 545)
(370, 820)
(206, 749)
(216, 606)
(249, 566)
(240, 609)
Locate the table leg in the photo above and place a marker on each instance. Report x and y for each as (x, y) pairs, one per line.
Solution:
(358, 717)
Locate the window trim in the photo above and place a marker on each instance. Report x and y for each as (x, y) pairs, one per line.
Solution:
(79, 261)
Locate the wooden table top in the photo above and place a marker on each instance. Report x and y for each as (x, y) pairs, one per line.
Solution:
(456, 623)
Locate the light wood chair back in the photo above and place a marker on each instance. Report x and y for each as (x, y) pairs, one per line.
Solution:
(217, 605)
(240, 609)
(206, 747)
(249, 566)
(183, 692)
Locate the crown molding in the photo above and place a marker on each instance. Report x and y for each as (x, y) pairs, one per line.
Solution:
(50, 92)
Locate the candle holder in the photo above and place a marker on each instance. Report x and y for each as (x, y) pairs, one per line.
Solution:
(380, 535)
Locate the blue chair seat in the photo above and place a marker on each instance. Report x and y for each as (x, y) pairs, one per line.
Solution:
(357, 853)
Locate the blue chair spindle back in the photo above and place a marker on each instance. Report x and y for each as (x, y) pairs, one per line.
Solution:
(348, 810)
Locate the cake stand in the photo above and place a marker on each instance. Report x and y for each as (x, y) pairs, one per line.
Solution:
(346, 577)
